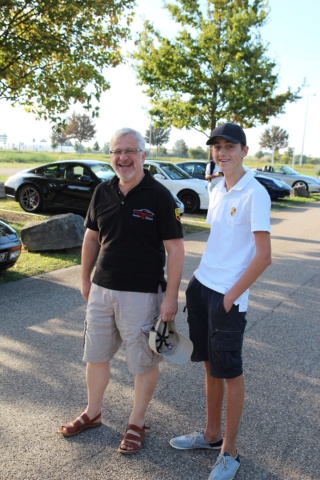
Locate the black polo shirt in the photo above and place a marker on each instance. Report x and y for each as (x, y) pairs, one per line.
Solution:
(132, 229)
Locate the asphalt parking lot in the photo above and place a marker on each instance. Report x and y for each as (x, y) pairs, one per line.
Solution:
(43, 385)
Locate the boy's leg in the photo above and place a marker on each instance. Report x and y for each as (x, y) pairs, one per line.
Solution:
(234, 407)
(214, 399)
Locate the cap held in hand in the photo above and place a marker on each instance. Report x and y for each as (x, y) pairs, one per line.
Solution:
(166, 341)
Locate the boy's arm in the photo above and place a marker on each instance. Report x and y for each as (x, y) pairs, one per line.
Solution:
(258, 264)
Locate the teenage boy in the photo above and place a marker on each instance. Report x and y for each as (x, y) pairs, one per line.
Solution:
(237, 252)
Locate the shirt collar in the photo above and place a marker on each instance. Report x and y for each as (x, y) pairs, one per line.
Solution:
(146, 182)
(243, 182)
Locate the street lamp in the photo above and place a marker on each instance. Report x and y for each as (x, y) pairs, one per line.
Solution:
(150, 137)
(305, 123)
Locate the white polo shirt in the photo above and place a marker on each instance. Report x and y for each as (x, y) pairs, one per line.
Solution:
(233, 216)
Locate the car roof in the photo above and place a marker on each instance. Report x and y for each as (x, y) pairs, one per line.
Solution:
(77, 160)
(194, 161)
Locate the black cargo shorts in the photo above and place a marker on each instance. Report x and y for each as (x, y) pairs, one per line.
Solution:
(217, 336)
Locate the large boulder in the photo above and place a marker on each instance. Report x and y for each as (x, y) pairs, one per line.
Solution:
(59, 232)
(300, 191)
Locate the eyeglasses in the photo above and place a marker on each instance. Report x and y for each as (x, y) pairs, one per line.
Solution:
(129, 152)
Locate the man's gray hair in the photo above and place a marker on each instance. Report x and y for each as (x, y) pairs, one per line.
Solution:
(125, 131)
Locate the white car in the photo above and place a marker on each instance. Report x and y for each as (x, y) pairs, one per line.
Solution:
(191, 191)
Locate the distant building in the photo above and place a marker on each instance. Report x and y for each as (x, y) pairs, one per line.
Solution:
(3, 138)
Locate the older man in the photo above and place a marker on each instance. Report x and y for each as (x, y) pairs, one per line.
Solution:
(132, 221)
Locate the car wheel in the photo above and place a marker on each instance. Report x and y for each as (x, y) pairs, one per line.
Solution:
(30, 199)
(300, 183)
(190, 200)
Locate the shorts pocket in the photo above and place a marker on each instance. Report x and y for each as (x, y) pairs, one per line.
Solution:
(146, 356)
(226, 348)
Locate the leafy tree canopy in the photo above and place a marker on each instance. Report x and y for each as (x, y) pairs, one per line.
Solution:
(58, 136)
(274, 138)
(216, 68)
(180, 147)
(159, 136)
(52, 53)
(198, 153)
(80, 127)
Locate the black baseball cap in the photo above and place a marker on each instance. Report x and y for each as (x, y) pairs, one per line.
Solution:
(229, 131)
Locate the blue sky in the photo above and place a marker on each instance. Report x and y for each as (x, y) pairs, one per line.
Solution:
(294, 42)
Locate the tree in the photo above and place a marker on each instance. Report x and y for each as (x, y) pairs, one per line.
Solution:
(216, 68)
(58, 137)
(288, 156)
(52, 54)
(259, 154)
(180, 148)
(96, 147)
(159, 136)
(274, 138)
(80, 127)
(198, 153)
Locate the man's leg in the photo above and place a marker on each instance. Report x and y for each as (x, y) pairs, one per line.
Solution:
(234, 407)
(144, 387)
(97, 380)
(97, 376)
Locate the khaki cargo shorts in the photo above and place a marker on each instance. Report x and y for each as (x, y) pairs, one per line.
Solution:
(114, 318)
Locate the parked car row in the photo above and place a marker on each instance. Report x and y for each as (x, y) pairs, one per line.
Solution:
(65, 185)
(69, 185)
(276, 188)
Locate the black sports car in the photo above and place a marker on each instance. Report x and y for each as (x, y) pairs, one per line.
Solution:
(10, 246)
(65, 185)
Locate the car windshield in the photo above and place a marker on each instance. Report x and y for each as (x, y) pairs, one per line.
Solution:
(288, 170)
(174, 172)
(103, 171)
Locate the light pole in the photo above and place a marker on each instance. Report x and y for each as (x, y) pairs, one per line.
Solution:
(150, 138)
(293, 158)
(305, 123)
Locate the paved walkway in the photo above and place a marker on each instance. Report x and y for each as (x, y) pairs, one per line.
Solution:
(42, 377)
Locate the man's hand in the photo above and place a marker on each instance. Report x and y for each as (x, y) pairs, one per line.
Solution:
(169, 308)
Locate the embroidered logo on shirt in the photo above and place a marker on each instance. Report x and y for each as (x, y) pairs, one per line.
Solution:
(177, 212)
(233, 211)
(143, 214)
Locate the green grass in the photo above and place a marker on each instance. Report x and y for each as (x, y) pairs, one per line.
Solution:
(31, 263)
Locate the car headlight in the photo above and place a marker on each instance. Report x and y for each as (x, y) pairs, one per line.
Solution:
(15, 253)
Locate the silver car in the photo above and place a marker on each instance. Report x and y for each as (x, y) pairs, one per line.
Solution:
(291, 177)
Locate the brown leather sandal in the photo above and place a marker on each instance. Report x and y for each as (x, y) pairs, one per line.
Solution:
(77, 425)
(132, 443)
